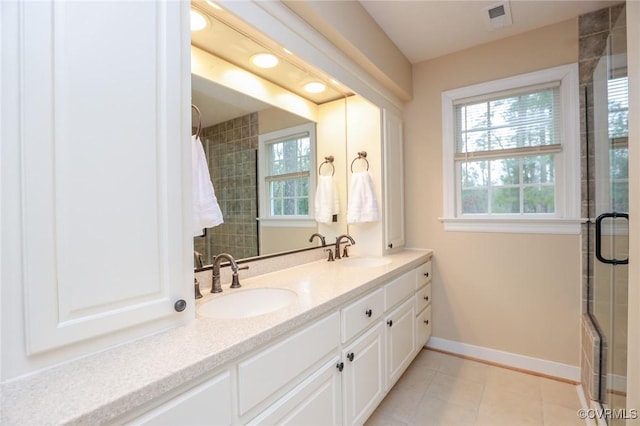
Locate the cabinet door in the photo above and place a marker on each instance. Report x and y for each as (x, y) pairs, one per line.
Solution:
(400, 332)
(316, 401)
(363, 376)
(423, 328)
(393, 180)
(207, 404)
(105, 152)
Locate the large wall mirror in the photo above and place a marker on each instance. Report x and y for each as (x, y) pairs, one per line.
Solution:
(254, 121)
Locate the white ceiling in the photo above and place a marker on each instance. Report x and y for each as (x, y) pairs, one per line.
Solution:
(425, 29)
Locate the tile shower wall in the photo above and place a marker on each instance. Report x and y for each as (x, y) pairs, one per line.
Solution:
(231, 149)
(594, 30)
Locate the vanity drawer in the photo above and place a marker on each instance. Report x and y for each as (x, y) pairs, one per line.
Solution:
(273, 368)
(399, 289)
(423, 327)
(362, 313)
(423, 298)
(424, 274)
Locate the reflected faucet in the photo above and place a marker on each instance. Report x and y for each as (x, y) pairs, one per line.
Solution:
(235, 281)
(320, 236)
(338, 241)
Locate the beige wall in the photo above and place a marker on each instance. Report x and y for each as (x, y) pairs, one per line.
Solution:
(518, 293)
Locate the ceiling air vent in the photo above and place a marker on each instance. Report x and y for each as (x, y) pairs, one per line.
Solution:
(498, 15)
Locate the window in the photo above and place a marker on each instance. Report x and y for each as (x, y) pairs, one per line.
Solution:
(511, 154)
(286, 176)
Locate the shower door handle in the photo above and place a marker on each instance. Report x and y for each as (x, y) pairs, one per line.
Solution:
(599, 238)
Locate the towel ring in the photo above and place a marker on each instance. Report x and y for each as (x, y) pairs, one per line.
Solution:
(199, 127)
(362, 155)
(327, 160)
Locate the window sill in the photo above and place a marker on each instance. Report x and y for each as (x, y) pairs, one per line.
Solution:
(288, 222)
(514, 225)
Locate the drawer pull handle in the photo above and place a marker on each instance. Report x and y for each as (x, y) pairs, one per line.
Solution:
(350, 356)
(368, 312)
(426, 322)
(390, 323)
(426, 298)
(340, 366)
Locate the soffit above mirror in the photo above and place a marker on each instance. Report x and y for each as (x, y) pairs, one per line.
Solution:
(228, 38)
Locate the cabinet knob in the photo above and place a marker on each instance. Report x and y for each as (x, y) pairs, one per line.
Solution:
(390, 245)
(426, 298)
(180, 305)
(340, 366)
(426, 322)
(426, 274)
(350, 356)
(390, 323)
(368, 312)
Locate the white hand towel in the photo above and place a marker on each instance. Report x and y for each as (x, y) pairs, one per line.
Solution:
(363, 205)
(326, 201)
(206, 211)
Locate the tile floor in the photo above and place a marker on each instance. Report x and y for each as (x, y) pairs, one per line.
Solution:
(441, 389)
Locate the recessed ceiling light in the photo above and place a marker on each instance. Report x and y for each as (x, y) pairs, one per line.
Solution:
(315, 87)
(198, 22)
(264, 60)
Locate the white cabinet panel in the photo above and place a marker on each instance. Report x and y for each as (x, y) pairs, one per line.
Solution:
(363, 376)
(207, 404)
(393, 180)
(423, 328)
(399, 289)
(316, 401)
(400, 340)
(105, 147)
(271, 369)
(361, 314)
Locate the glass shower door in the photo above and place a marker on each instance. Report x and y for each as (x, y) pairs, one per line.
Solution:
(609, 286)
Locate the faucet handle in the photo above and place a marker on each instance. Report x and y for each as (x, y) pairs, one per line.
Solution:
(345, 253)
(330, 259)
(235, 281)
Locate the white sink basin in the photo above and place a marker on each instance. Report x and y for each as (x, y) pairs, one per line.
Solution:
(247, 303)
(365, 262)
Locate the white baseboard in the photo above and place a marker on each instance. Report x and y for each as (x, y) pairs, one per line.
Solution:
(523, 362)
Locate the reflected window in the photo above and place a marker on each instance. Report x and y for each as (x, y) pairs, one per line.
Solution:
(288, 158)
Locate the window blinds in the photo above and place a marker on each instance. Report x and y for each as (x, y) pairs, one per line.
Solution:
(508, 124)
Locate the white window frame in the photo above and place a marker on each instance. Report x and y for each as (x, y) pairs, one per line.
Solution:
(566, 219)
(264, 211)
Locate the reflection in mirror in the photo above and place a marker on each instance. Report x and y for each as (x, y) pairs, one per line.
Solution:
(240, 103)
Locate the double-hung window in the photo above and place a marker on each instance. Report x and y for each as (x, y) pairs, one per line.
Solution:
(286, 176)
(511, 154)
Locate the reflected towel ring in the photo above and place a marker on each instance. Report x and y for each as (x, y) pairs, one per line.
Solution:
(327, 160)
(362, 155)
(199, 127)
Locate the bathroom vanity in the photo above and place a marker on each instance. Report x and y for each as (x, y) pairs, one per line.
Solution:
(330, 355)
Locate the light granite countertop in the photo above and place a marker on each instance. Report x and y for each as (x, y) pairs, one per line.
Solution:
(100, 388)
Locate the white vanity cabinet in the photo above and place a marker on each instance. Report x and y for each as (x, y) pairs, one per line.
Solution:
(393, 180)
(423, 305)
(401, 340)
(187, 409)
(100, 92)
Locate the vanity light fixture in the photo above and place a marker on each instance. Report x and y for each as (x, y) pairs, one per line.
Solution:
(264, 60)
(315, 87)
(198, 21)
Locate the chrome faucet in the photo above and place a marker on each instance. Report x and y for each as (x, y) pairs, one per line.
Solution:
(338, 241)
(235, 281)
(320, 236)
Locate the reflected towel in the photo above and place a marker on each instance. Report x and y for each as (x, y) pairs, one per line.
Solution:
(326, 201)
(206, 211)
(363, 205)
